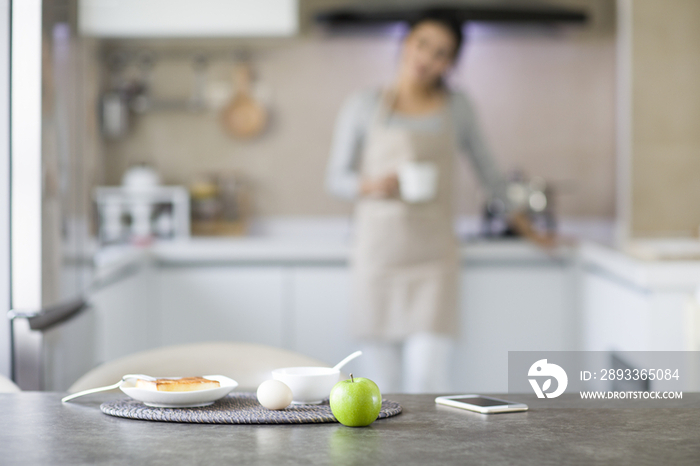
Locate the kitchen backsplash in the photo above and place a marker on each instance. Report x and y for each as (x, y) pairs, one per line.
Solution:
(545, 100)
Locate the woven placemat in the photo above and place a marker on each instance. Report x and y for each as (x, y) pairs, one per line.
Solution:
(237, 408)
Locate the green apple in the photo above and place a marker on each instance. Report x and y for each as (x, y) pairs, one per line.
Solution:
(356, 402)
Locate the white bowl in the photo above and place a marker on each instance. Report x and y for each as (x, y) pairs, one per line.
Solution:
(309, 385)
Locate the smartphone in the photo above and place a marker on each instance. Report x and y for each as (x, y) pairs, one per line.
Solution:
(481, 404)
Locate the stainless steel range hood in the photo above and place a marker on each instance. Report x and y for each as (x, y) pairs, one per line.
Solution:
(496, 11)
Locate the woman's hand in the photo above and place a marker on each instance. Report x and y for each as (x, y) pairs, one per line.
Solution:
(382, 187)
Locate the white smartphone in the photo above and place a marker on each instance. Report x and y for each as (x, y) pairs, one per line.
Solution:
(481, 404)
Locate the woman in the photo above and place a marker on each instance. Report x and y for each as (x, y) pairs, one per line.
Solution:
(405, 258)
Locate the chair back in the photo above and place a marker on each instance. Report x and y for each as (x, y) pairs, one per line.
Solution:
(248, 364)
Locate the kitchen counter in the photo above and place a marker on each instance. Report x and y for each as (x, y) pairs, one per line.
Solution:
(296, 293)
(655, 275)
(676, 275)
(280, 250)
(114, 263)
(36, 428)
(262, 249)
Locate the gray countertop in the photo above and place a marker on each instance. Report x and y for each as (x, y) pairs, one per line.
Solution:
(36, 428)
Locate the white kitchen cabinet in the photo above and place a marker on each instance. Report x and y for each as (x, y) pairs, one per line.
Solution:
(525, 306)
(320, 313)
(127, 318)
(504, 307)
(617, 315)
(645, 323)
(620, 316)
(69, 351)
(513, 298)
(213, 303)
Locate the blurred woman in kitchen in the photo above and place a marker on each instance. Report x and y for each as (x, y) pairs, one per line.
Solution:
(405, 259)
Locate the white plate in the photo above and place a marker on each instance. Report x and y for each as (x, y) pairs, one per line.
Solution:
(179, 399)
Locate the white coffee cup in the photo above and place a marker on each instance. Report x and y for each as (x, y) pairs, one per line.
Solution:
(418, 181)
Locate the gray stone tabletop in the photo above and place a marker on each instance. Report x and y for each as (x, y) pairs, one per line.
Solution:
(36, 428)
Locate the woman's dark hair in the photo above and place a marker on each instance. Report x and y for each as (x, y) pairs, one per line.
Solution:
(446, 20)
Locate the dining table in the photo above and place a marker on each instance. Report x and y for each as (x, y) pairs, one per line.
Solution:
(37, 428)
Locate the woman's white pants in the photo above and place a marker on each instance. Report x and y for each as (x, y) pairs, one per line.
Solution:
(419, 364)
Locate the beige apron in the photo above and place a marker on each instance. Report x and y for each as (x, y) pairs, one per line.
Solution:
(405, 256)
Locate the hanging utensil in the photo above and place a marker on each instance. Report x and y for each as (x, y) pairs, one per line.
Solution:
(244, 117)
(199, 68)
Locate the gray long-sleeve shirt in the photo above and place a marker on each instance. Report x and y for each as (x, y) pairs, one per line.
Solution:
(352, 125)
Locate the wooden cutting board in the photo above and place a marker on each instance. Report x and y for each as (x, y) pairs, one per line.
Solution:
(244, 117)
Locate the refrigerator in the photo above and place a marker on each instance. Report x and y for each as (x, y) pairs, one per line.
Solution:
(51, 324)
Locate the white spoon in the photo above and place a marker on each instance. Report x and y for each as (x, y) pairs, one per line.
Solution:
(347, 360)
(107, 388)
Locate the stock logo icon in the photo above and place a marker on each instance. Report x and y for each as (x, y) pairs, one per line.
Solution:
(544, 369)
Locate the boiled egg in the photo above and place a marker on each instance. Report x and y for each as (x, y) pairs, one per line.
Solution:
(274, 394)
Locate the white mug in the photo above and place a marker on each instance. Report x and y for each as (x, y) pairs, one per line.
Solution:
(418, 181)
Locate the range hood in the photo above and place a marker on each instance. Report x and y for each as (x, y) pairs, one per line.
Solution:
(496, 11)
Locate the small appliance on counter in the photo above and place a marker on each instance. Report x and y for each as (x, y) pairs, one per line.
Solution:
(532, 196)
(220, 205)
(141, 209)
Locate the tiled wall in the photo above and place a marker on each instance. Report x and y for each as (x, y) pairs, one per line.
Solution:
(545, 97)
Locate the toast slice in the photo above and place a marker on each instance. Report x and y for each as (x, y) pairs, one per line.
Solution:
(185, 384)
